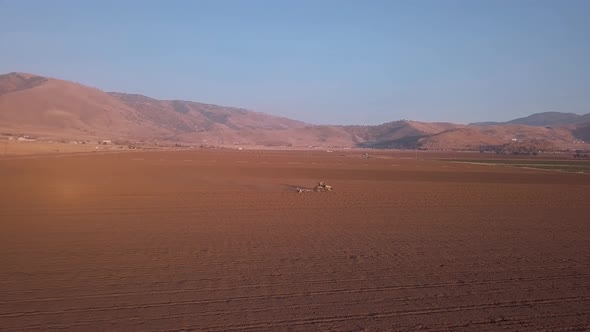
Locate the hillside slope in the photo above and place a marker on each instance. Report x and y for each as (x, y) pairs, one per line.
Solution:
(55, 108)
(52, 107)
(542, 120)
(187, 116)
(582, 131)
(397, 134)
(471, 137)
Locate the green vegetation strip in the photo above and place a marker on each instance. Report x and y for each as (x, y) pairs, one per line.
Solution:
(574, 166)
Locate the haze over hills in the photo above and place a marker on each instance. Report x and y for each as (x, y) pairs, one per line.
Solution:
(53, 108)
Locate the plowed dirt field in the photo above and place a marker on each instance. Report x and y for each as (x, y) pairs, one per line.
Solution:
(220, 241)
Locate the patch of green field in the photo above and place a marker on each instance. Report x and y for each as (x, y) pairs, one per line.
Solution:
(575, 166)
(564, 168)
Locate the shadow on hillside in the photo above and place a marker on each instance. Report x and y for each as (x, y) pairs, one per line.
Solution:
(410, 142)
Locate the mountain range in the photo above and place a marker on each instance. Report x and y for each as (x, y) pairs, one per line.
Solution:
(543, 119)
(53, 108)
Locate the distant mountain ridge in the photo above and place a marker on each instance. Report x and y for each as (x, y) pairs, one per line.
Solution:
(189, 116)
(543, 119)
(53, 108)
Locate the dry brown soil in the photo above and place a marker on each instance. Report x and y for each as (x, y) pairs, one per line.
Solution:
(15, 148)
(219, 241)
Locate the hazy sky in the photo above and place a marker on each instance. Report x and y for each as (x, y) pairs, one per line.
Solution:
(337, 62)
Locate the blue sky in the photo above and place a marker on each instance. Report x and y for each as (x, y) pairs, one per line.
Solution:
(337, 62)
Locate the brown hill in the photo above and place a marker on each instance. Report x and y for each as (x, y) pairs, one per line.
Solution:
(19, 81)
(398, 134)
(471, 137)
(56, 108)
(187, 116)
(308, 136)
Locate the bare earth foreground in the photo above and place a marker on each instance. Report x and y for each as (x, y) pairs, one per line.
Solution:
(219, 240)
